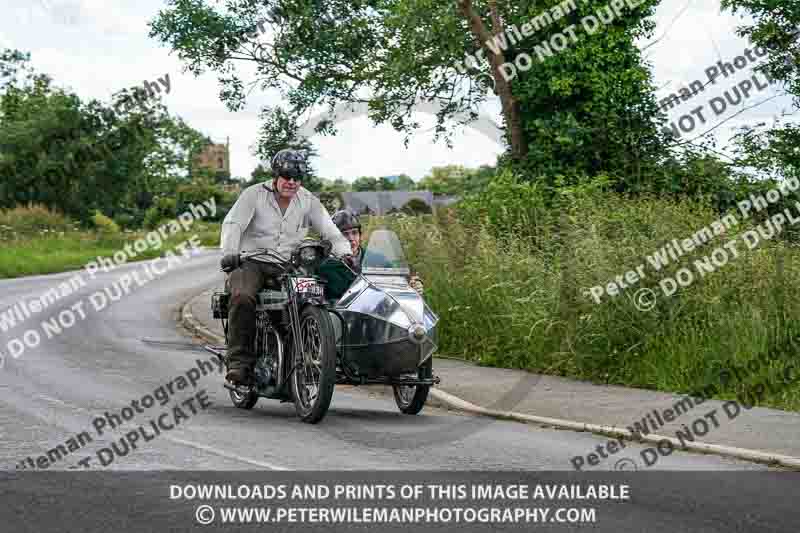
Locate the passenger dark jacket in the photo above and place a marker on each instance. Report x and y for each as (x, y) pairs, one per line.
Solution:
(338, 276)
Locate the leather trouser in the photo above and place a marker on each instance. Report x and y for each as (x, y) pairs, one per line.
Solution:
(244, 283)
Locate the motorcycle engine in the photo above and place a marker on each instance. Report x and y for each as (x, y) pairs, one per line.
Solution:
(266, 368)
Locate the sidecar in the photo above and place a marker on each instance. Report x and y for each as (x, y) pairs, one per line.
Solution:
(386, 333)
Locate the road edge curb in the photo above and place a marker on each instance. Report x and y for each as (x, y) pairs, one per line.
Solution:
(454, 402)
(189, 322)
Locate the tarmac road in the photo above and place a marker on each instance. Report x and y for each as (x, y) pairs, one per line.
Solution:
(126, 351)
(130, 348)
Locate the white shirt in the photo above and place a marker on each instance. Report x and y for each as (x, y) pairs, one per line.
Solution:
(256, 221)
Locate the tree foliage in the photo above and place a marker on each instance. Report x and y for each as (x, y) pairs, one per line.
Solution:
(81, 157)
(775, 26)
(588, 110)
(456, 180)
(404, 183)
(366, 183)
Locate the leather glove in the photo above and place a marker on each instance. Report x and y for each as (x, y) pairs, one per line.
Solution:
(416, 284)
(230, 262)
(352, 261)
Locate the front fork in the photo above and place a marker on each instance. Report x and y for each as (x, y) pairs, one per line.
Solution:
(294, 324)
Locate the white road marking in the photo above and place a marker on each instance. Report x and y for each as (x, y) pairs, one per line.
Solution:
(225, 454)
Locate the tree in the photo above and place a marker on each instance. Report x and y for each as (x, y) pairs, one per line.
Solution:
(776, 27)
(259, 175)
(477, 180)
(278, 131)
(59, 151)
(336, 186)
(405, 183)
(365, 183)
(588, 108)
(591, 109)
(450, 179)
(385, 184)
(81, 157)
(416, 206)
(694, 173)
(326, 53)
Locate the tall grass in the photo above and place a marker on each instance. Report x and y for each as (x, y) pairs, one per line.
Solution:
(518, 298)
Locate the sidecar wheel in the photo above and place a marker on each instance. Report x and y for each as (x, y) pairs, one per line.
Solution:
(314, 374)
(411, 400)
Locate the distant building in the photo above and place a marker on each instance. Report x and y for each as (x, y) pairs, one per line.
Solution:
(384, 202)
(443, 200)
(214, 157)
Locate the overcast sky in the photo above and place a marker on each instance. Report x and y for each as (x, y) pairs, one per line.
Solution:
(98, 47)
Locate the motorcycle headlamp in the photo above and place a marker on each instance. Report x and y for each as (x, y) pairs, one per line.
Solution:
(308, 256)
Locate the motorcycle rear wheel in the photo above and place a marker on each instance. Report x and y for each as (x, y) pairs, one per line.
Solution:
(411, 399)
(314, 362)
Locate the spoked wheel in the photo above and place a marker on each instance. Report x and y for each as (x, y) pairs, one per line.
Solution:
(410, 399)
(314, 362)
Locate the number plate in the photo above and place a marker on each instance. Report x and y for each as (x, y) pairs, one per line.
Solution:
(307, 286)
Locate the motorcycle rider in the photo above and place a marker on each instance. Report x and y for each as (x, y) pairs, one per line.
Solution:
(274, 215)
(339, 277)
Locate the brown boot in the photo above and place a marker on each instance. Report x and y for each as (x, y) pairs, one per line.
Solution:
(240, 376)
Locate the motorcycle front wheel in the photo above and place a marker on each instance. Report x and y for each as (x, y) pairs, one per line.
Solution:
(314, 365)
(411, 399)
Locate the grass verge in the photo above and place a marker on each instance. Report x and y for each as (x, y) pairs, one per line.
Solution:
(47, 252)
(517, 297)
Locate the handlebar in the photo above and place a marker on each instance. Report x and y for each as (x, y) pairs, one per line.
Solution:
(281, 261)
(243, 256)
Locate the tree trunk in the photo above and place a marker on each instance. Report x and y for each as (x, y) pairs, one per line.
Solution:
(510, 106)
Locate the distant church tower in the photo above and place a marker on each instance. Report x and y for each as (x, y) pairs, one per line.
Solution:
(214, 157)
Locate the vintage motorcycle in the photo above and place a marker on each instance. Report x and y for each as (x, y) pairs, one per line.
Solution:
(379, 332)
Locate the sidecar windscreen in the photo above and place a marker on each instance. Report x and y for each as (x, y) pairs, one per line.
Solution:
(384, 255)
